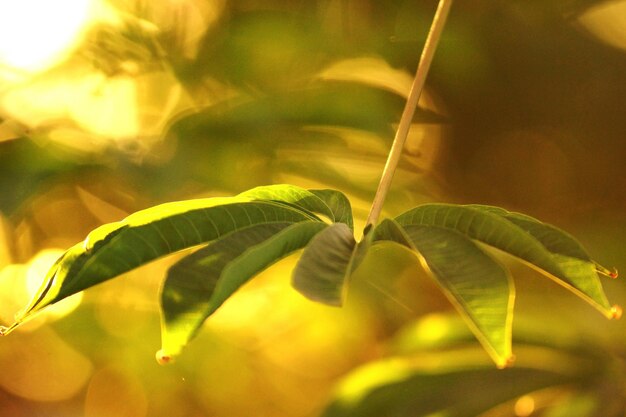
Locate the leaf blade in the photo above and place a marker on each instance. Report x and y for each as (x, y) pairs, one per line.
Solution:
(146, 235)
(199, 284)
(339, 205)
(325, 264)
(390, 230)
(479, 287)
(490, 227)
(553, 238)
(402, 387)
(291, 195)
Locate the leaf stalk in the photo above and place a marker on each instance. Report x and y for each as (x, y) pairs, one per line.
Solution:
(402, 132)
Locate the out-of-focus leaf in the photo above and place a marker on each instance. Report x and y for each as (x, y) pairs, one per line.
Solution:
(26, 168)
(479, 287)
(262, 49)
(438, 372)
(404, 387)
(579, 405)
(325, 265)
(522, 238)
(197, 285)
(328, 104)
(546, 344)
(115, 248)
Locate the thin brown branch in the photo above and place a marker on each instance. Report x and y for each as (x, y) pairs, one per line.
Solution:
(409, 110)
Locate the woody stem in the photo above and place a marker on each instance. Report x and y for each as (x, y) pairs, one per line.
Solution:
(409, 110)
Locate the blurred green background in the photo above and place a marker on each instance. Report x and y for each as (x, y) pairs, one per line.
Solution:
(108, 107)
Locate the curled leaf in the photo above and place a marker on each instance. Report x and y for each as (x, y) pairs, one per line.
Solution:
(325, 265)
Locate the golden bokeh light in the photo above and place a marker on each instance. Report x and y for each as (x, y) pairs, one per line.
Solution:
(433, 327)
(524, 406)
(13, 293)
(37, 269)
(20, 282)
(35, 35)
(42, 367)
(113, 392)
(108, 107)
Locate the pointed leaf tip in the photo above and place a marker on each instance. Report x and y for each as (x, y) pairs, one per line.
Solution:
(606, 272)
(163, 358)
(506, 362)
(616, 312)
(4, 330)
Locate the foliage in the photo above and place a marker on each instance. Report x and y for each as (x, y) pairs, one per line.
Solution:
(555, 374)
(511, 76)
(249, 232)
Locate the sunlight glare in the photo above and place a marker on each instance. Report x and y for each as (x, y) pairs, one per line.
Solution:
(607, 22)
(524, 406)
(37, 270)
(370, 377)
(35, 34)
(43, 367)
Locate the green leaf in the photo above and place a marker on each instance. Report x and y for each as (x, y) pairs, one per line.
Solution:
(321, 104)
(198, 284)
(542, 246)
(325, 265)
(442, 340)
(338, 204)
(582, 404)
(479, 287)
(26, 169)
(554, 239)
(115, 248)
(390, 230)
(293, 196)
(407, 387)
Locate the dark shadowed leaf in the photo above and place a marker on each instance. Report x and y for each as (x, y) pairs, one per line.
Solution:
(325, 265)
(198, 284)
(339, 205)
(390, 230)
